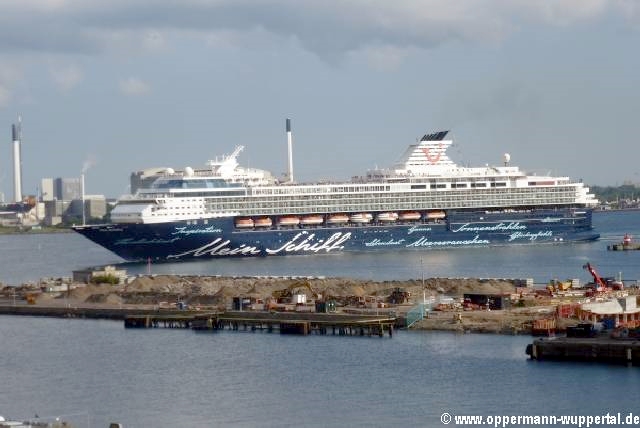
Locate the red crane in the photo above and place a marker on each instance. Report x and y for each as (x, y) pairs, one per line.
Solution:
(600, 285)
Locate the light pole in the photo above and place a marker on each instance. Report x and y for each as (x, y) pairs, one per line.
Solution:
(424, 291)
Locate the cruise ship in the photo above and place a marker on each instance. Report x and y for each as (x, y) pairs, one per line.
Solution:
(423, 202)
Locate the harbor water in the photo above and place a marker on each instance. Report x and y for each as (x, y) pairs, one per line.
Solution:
(92, 372)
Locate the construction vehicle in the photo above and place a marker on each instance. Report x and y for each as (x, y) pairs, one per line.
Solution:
(399, 296)
(601, 285)
(556, 285)
(286, 295)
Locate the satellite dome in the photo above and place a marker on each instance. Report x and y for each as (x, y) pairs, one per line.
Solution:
(170, 171)
(188, 171)
(507, 157)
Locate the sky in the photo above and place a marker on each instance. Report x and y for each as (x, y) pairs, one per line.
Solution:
(108, 87)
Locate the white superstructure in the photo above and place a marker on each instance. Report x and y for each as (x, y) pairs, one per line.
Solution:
(424, 179)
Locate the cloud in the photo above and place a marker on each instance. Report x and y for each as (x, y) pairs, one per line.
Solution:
(325, 27)
(562, 13)
(384, 58)
(134, 86)
(153, 41)
(5, 96)
(11, 75)
(66, 77)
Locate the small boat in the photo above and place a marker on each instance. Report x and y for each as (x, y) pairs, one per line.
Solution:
(244, 223)
(312, 220)
(360, 218)
(409, 216)
(338, 219)
(387, 217)
(262, 222)
(626, 244)
(289, 221)
(436, 215)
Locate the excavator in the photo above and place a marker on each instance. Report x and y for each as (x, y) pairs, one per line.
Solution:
(601, 285)
(285, 295)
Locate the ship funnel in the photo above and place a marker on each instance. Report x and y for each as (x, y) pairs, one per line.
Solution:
(290, 153)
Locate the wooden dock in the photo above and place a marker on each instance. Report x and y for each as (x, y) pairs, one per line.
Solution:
(600, 349)
(303, 323)
(282, 322)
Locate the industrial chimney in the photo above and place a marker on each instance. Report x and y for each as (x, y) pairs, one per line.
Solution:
(17, 163)
(290, 153)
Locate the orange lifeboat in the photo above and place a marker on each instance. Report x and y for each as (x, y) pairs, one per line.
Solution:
(262, 222)
(436, 215)
(244, 223)
(338, 219)
(312, 220)
(360, 218)
(289, 221)
(409, 216)
(387, 217)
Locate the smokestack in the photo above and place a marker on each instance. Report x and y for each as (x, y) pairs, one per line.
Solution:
(290, 153)
(17, 170)
(82, 190)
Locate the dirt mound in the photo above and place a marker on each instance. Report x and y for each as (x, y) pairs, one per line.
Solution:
(213, 290)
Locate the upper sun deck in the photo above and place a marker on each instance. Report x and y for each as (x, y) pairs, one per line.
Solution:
(428, 158)
(423, 165)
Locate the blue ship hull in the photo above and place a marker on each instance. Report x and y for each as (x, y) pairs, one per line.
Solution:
(215, 238)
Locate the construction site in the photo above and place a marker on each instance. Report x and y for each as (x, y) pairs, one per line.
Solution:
(508, 306)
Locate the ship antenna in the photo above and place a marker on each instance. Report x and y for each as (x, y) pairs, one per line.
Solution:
(290, 153)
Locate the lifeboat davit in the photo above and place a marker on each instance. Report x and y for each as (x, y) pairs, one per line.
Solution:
(436, 215)
(360, 218)
(387, 217)
(338, 219)
(409, 216)
(244, 223)
(289, 221)
(262, 222)
(312, 220)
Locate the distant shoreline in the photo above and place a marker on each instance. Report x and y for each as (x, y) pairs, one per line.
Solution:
(4, 230)
(615, 209)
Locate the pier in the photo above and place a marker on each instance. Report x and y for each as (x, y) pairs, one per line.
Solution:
(282, 322)
(596, 349)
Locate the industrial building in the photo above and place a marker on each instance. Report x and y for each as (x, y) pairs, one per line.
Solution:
(60, 210)
(144, 178)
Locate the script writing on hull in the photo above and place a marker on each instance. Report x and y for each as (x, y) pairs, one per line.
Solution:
(307, 242)
(219, 247)
(301, 242)
(183, 230)
(531, 236)
(500, 227)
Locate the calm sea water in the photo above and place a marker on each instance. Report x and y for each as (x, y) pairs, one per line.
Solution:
(95, 372)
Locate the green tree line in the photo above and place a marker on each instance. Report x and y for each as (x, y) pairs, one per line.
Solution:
(615, 194)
